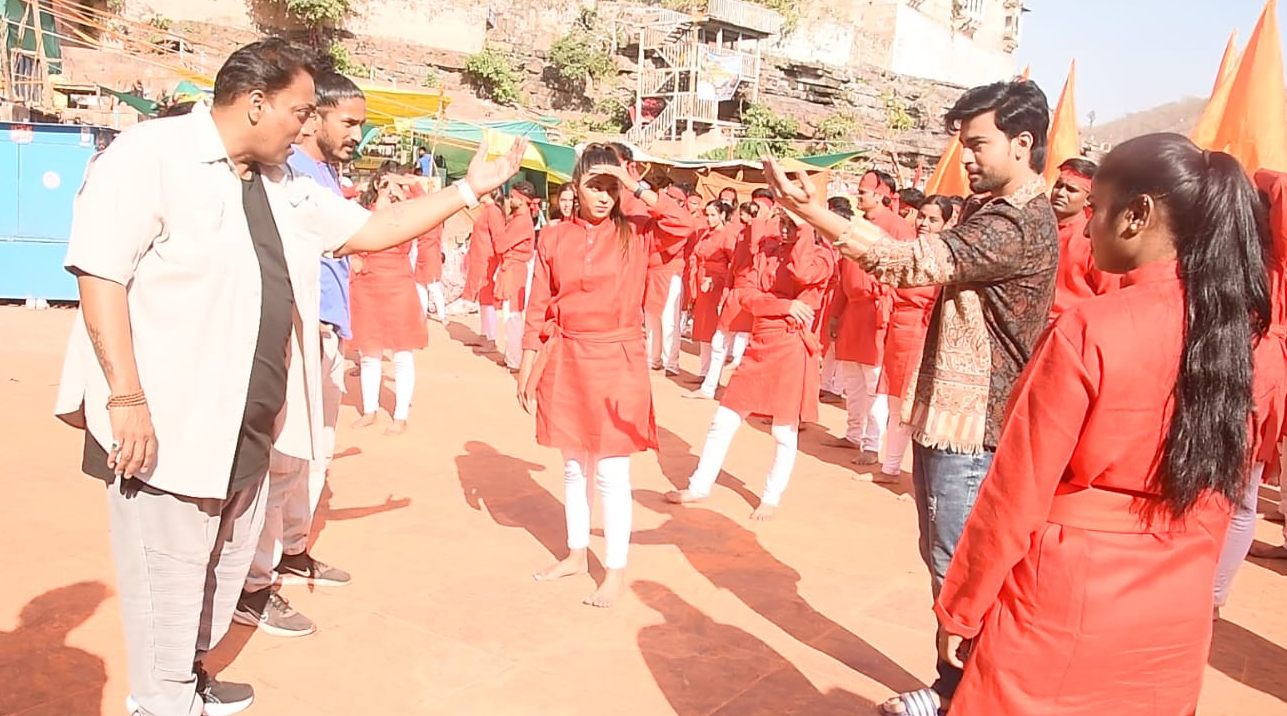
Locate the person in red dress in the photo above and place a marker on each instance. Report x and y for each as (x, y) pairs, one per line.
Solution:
(1083, 576)
(386, 312)
(429, 261)
(859, 320)
(514, 248)
(1077, 278)
(831, 388)
(585, 369)
(663, 297)
(481, 266)
(909, 320)
(712, 257)
(779, 375)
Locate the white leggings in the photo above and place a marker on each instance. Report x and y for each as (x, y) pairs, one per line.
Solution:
(897, 437)
(718, 439)
(868, 410)
(434, 291)
(513, 322)
(831, 372)
(404, 383)
(487, 322)
(612, 479)
(719, 350)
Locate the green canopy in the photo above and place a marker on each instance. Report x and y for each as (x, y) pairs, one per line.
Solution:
(827, 161)
(19, 33)
(144, 106)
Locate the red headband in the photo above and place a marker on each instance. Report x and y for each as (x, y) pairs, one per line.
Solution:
(1075, 178)
(872, 182)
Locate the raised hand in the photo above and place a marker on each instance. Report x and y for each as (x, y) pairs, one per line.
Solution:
(486, 175)
(795, 194)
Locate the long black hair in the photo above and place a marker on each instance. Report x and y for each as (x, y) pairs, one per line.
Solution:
(594, 155)
(1221, 234)
(945, 205)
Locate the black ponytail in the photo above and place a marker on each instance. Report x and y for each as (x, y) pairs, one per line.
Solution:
(594, 155)
(1221, 232)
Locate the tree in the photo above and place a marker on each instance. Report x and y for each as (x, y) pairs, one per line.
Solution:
(318, 16)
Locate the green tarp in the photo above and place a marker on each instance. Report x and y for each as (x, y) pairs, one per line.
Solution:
(142, 105)
(19, 32)
(827, 161)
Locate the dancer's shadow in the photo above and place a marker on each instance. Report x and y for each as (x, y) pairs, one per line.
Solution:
(37, 664)
(1249, 659)
(677, 461)
(503, 486)
(707, 668)
(731, 557)
(326, 513)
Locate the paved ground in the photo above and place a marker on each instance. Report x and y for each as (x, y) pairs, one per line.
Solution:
(821, 611)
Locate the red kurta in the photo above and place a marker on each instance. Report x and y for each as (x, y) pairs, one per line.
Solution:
(429, 257)
(383, 304)
(1077, 279)
(712, 258)
(480, 261)
(1271, 356)
(862, 304)
(733, 316)
(586, 317)
(780, 373)
(1081, 609)
(513, 248)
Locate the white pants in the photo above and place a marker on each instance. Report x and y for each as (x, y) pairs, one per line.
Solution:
(295, 485)
(487, 321)
(404, 383)
(831, 372)
(513, 322)
(663, 332)
(1238, 539)
(612, 479)
(719, 347)
(897, 437)
(434, 291)
(718, 439)
(868, 411)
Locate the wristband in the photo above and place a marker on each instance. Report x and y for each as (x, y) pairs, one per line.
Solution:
(467, 194)
(639, 190)
(130, 400)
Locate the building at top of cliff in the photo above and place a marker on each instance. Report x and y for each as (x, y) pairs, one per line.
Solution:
(960, 42)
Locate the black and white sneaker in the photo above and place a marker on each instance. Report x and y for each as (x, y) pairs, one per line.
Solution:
(303, 569)
(271, 613)
(221, 698)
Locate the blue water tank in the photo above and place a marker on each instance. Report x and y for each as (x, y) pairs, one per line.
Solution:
(41, 168)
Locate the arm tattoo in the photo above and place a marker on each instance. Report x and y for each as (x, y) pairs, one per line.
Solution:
(96, 338)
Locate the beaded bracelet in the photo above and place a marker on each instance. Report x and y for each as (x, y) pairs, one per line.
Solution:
(127, 401)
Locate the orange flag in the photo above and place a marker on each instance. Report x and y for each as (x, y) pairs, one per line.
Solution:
(1065, 135)
(1204, 133)
(1253, 127)
(949, 177)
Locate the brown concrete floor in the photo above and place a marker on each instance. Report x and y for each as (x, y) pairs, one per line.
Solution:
(822, 611)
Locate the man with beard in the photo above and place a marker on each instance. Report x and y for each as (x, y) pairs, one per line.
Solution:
(328, 139)
(997, 273)
(1078, 279)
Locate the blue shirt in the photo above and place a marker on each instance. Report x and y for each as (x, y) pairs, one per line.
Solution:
(426, 165)
(335, 272)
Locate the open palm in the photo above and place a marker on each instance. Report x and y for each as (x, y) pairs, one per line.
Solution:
(485, 175)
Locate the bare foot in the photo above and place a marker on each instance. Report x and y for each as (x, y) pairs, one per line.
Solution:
(884, 478)
(365, 421)
(764, 512)
(1215, 614)
(608, 592)
(680, 497)
(697, 395)
(575, 563)
(868, 457)
(842, 443)
(397, 427)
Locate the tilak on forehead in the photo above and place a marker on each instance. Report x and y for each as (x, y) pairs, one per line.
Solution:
(1075, 178)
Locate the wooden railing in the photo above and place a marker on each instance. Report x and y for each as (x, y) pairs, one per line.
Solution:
(660, 127)
(740, 13)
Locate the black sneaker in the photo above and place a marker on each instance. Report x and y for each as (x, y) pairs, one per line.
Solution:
(269, 612)
(303, 569)
(222, 698)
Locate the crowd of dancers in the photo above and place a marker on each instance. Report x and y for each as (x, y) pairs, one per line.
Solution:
(1091, 377)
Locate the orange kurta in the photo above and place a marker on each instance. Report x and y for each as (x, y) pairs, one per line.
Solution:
(480, 261)
(1077, 279)
(514, 249)
(862, 304)
(383, 304)
(909, 319)
(712, 259)
(733, 316)
(780, 372)
(429, 257)
(1079, 608)
(586, 317)
(1271, 358)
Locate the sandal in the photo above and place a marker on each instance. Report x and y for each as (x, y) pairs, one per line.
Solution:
(913, 703)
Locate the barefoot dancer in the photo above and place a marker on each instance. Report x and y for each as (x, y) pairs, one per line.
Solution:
(514, 246)
(712, 257)
(585, 369)
(386, 312)
(481, 265)
(780, 372)
(908, 321)
(1084, 574)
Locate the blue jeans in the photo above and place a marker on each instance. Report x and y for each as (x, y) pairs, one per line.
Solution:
(945, 485)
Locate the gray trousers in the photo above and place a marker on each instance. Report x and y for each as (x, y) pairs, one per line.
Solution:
(180, 566)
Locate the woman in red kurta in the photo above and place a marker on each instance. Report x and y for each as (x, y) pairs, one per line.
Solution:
(584, 368)
(429, 274)
(1084, 573)
(733, 330)
(514, 248)
(708, 284)
(481, 265)
(779, 375)
(909, 319)
(1077, 278)
(386, 313)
